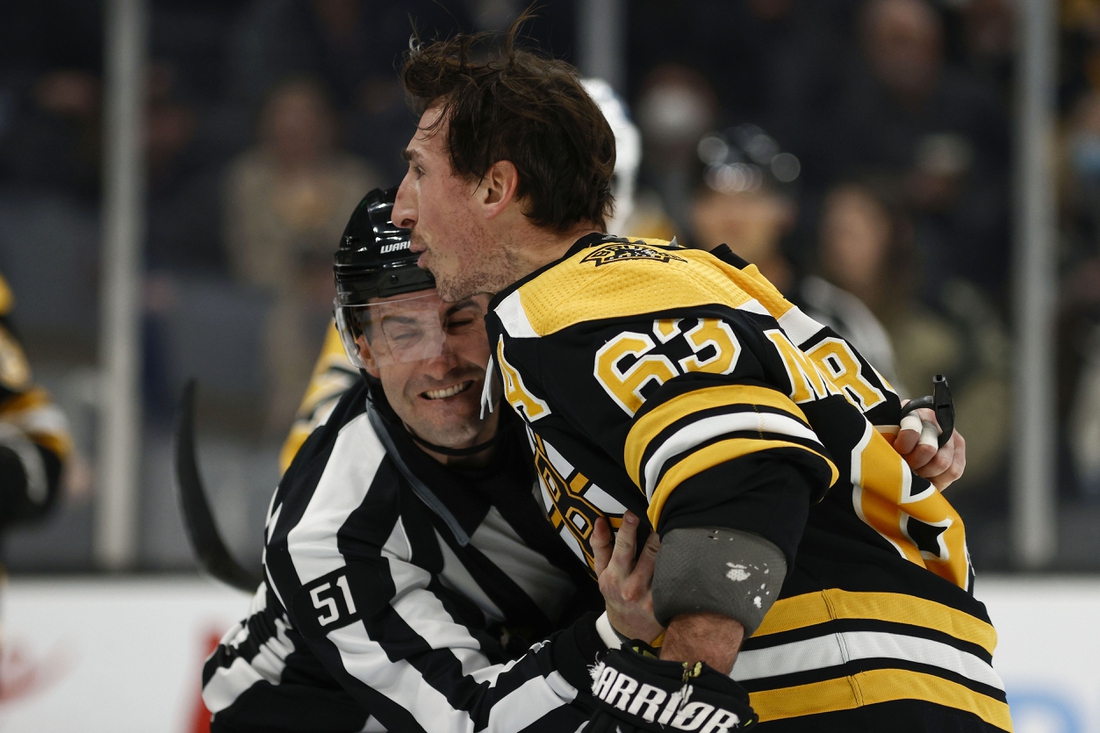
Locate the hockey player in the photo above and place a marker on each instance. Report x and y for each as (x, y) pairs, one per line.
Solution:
(34, 434)
(682, 387)
(406, 562)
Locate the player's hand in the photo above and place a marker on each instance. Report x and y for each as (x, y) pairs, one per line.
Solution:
(636, 692)
(627, 586)
(918, 445)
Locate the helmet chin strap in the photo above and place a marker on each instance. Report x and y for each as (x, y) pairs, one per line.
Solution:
(458, 452)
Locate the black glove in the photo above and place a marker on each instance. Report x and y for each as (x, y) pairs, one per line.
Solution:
(638, 692)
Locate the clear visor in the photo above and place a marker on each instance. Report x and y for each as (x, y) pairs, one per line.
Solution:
(393, 331)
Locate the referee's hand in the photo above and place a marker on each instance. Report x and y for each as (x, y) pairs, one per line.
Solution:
(917, 444)
(627, 586)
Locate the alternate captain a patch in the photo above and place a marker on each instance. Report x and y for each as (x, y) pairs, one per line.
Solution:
(616, 251)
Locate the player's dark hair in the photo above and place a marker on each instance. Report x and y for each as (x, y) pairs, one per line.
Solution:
(507, 103)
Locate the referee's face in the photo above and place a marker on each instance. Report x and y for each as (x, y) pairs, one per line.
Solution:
(439, 397)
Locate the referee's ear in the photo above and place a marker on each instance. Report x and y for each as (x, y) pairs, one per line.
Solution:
(367, 355)
(498, 188)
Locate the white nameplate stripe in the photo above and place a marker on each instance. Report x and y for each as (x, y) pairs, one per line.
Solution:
(798, 326)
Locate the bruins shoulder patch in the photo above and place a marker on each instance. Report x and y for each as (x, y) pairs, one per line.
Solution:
(616, 251)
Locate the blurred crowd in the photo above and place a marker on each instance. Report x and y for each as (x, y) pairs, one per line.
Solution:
(859, 151)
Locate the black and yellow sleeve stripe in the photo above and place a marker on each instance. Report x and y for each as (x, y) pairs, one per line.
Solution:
(690, 433)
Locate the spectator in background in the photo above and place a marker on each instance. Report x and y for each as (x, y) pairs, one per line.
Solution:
(1079, 353)
(676, 106)
(776, 63)
(353, 47)
(50, 137)
(50, 148)
(937, 129)
(866, 247)
(286, 202)
(184, 206)
(746, 200)
(989, 41)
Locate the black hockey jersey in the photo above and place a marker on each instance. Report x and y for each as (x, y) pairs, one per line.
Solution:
(410, 600)
(668, 382)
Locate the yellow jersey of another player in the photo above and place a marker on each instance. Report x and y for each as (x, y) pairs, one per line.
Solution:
(33, 431)
(332, 375)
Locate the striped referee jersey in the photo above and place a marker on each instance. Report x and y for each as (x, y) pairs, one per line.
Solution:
(400, 595)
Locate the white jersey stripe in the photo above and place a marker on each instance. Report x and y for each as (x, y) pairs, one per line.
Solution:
(415, 653)
(341, 489)
(514, 318)
(456, 577)
(547, 585)
(523, 706)
(703, 430)
(836, 649)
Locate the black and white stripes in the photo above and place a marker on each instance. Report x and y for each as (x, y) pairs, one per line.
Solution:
(373, 601)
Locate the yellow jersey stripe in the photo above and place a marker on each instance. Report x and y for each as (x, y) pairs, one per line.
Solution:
(713, 455)
(817, 608)
(650, 425)
(7, 300)
(57, 443)
(876, 686)
(753, 282)
(26, 401)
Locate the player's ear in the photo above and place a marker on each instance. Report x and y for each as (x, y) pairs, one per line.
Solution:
(498, 188)
(367, 355)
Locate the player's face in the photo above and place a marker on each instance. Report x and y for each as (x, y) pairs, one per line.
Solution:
(437, 397)
(442, 211)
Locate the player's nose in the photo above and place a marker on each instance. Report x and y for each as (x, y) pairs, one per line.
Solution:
(404, 206)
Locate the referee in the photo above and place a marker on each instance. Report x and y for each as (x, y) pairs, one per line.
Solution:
(408, 569)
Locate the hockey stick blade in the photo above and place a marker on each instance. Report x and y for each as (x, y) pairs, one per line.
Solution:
(202, 531)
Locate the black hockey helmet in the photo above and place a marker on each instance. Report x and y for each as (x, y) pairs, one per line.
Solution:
(374, 260)
(374, 268)
(378, 283)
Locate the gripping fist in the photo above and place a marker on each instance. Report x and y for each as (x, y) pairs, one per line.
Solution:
(626, 584)
(638, 692)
